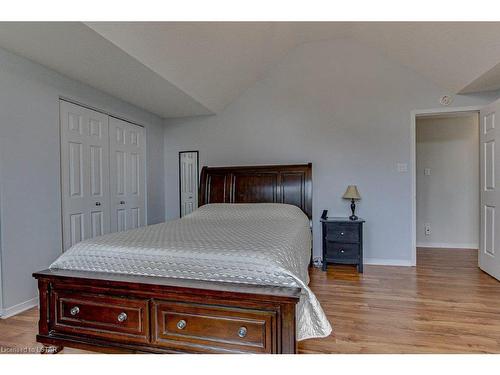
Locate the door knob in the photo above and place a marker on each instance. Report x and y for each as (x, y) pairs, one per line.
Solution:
(97, 203)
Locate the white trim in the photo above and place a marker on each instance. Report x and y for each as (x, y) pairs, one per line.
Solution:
(19, 308)
(448, 245)
(413, 165)
(100, 110)
(388, 262)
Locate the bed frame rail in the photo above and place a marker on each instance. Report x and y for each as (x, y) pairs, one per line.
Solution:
(124, 313)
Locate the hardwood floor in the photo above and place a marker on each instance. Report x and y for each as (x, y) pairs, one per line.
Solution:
(444, 305)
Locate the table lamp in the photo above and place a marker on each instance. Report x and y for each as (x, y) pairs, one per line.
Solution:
(352, 194)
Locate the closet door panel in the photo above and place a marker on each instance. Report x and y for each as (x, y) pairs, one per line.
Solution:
(84, 173)
(121, 220)
(127, 175)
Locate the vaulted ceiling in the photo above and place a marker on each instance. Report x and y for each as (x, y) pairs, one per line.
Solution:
(195, 68)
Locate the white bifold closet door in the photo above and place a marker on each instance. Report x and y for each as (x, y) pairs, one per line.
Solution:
(84, 173)
(102, 174)
(127, 175)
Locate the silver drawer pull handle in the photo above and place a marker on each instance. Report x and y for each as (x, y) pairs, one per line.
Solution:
(341, 233)
(97, 203)
(242, 332)
(122, 317)
(341, 250)
(122, 202)
(75, 310)
(181, 324)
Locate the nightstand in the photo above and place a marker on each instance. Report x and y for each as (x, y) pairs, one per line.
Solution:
(342, 241)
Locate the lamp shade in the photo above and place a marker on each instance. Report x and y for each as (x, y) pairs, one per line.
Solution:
(352, 193)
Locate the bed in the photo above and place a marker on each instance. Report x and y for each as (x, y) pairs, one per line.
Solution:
(229, 278)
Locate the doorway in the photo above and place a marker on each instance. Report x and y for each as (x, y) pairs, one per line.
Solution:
(446, 181)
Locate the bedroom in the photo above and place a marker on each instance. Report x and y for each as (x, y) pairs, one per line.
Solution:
(323, 105)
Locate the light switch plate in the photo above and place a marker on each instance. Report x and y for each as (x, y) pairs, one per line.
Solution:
(402, 167)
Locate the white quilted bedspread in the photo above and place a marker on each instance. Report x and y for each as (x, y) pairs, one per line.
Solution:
(264, 244)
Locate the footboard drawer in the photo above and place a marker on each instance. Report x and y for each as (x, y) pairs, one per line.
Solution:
(210, 328)
(124, 319)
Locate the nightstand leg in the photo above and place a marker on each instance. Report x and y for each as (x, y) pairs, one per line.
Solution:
(360, 267)
(324, 265)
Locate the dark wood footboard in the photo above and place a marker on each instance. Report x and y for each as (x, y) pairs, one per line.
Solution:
(125, 313)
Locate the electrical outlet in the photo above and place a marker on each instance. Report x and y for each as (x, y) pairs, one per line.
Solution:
(317, 262)
(427, 171)
(427, 229)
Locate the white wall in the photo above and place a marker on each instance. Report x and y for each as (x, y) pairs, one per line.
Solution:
(340, 105)
(30, 201)
(448, 198)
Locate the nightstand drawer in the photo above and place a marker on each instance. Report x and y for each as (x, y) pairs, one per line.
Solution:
(341, 251)
(342, 232)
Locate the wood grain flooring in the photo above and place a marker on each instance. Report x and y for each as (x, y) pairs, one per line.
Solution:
(444, 305)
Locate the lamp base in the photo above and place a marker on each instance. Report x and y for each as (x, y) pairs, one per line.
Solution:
(353, 208)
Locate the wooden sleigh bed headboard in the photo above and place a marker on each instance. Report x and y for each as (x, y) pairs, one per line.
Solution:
(290, 184)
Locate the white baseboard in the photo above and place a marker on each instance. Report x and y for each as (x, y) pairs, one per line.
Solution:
(19, 308)
(387, 262)
(448, 245)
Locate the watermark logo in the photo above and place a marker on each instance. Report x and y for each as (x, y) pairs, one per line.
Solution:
(26, 349)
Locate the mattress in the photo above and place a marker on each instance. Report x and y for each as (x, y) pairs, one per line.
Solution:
(263, 244)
